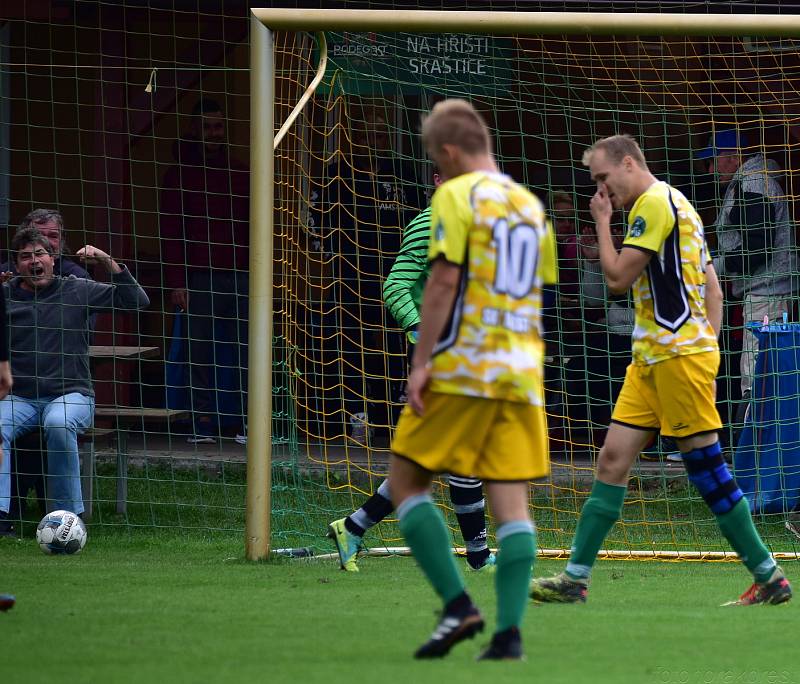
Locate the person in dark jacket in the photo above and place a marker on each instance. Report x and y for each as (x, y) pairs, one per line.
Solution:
(755, 237)
(27, 452)
(205, 232)
(356, 218)
(49, 324)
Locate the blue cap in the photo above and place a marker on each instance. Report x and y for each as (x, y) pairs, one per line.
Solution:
(726, 139)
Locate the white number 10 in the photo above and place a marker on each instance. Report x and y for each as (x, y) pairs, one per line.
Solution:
(517, 256)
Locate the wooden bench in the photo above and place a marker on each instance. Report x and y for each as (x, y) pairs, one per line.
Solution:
(125, 419)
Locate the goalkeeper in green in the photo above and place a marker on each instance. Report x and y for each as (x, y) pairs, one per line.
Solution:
(402, 295)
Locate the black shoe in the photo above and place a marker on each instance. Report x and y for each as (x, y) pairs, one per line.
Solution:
(6, 602)
(506, 645)
(6, 526)
(452, 628)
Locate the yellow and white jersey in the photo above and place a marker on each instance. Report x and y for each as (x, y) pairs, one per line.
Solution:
(671, 318)
(496, 230)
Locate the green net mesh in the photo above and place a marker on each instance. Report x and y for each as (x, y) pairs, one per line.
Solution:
(98, 102)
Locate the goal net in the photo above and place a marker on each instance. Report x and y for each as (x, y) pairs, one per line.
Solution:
(350, 175)
(102, 118)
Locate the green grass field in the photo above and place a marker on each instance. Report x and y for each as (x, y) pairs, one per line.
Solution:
(148, 608)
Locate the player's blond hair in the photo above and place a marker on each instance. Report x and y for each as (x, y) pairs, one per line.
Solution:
(617, 147)
(456, 122)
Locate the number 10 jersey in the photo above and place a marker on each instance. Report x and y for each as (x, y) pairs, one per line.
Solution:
(496, 231)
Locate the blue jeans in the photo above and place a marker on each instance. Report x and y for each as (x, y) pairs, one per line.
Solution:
(218, 310)
(62, 419)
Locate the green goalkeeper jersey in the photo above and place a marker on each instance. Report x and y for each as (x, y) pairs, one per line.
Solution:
(402, 291)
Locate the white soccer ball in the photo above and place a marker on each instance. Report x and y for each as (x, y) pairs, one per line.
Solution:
(61, 532)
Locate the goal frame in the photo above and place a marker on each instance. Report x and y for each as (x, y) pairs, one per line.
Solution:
(263, 22)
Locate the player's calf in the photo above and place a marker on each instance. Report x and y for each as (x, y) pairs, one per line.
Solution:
(709, 473)
(466, 493)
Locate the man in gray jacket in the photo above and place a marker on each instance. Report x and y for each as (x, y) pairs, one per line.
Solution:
(756, 246)
(49, 325)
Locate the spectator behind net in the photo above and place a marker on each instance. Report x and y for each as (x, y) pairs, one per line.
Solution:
(205, 231)
(50, 224)
(49, 322)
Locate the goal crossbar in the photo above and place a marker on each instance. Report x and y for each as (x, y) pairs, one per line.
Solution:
(530, 23)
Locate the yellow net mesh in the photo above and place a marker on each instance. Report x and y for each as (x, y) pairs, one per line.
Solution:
(546, 100)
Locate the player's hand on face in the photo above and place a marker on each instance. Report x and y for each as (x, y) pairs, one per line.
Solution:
(600, 205)
(417, 382)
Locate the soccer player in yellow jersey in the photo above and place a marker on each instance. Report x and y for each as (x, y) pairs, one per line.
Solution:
(475, 398)
(670, 385)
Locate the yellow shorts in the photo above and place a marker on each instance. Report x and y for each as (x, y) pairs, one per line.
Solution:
(676, 396)
(475, 437)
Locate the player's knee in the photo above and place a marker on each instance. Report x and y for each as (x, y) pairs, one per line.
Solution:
(55, 423)
(613, 465)
(398, 492)
(710, 475)
(401, 489)
(406, 479)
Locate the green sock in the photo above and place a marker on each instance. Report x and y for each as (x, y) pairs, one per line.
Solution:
(601, 510)
(513, 577)
(426, 533)
(737, 526)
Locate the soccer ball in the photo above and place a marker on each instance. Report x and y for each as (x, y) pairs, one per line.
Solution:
(61, 532)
